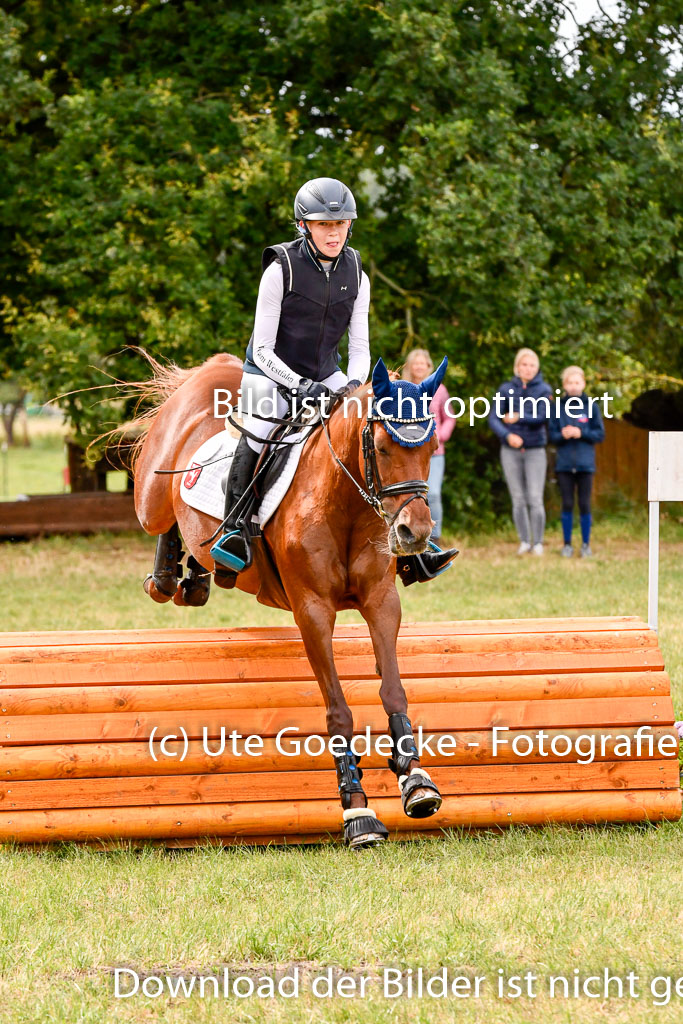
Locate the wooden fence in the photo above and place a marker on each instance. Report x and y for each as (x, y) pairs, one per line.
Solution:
(621, 461)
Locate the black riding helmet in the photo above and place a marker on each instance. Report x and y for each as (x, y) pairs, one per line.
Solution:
(324, 199)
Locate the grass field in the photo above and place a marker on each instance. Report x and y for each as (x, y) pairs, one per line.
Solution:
(546, 901)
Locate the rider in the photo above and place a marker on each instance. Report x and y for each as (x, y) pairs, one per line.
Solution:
(312, 291)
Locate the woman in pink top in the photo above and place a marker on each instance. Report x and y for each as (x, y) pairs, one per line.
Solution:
(419, 365)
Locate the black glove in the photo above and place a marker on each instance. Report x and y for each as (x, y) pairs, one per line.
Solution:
(312, 390)
(347, 389)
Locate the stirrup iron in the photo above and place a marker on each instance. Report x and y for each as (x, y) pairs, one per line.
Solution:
(237, 559)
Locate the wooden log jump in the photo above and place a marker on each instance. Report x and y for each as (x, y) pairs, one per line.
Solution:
(84, 512)
(511, 711)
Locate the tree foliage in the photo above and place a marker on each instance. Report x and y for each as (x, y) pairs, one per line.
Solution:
(510, 193)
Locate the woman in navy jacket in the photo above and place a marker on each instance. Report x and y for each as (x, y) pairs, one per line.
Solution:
(521, 427)
(576, 431)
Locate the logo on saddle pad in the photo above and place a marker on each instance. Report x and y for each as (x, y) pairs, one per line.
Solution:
(192, 475)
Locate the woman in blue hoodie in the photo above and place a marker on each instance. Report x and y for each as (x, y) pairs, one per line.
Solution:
(576, 431)
(519, 415)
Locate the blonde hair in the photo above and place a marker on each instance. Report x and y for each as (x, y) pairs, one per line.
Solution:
(521, 354)
(567, 372)
(410, 359)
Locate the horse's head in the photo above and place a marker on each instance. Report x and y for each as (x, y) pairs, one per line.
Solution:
(403, 437)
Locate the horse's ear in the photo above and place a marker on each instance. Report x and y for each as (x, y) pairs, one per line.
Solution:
(430, 384)
(381, 387)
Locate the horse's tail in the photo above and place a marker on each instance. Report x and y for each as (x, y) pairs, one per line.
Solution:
(165, 380)
(150, 395)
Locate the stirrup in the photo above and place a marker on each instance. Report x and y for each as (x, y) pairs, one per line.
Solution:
(223, 551)
(425, 567)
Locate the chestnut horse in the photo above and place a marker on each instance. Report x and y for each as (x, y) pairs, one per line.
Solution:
(325, 548)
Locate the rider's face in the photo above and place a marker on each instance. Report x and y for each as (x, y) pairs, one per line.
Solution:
(329, 235)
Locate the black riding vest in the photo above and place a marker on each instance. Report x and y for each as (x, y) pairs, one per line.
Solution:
(316, 308)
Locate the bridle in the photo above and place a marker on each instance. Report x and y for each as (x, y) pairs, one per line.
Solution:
(374, 491)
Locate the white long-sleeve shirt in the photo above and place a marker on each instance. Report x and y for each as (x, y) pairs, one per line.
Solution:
(267, 320)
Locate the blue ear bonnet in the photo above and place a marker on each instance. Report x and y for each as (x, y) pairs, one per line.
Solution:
(403, 407)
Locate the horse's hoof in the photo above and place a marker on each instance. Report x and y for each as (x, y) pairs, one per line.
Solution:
(367, 840)
(192, 594)
(363, 828)
(423, 803)
(152, 590)
(419, 795)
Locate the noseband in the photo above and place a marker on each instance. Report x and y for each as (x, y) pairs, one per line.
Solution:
(374, 491)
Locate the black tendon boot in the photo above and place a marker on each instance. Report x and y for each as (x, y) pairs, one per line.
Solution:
(419, 795)
(424, 567)
(362, 827)
(232, 551)
(162, 582)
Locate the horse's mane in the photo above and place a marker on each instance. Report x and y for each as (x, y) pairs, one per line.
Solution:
(362, 393)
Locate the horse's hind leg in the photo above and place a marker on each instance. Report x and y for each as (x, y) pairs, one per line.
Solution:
(162, 582)
(419, 794)
(315, 618)
(193, 591)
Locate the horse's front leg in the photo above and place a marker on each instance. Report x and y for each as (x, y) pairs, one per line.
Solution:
(315, 618)
(419, 794)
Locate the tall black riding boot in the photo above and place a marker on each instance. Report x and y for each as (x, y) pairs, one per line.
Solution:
(233, 549)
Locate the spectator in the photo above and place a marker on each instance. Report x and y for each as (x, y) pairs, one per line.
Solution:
(419, 365)
(576, 431)
(522, 452)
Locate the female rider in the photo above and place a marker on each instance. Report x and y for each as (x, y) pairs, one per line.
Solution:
(312, 291)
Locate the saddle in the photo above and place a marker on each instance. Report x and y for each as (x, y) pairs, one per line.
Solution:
(269, 467)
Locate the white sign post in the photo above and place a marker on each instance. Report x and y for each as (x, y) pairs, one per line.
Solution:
(665, 483)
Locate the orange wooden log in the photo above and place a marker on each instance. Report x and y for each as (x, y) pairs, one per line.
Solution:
(324, 816)
(322, 785)
(345, 647)
(43, 700)
(101, 760)
(106, 637)
(35, 674)
(228, 669)
(24, 729)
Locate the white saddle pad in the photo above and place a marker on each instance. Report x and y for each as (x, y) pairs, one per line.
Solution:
(201, 486)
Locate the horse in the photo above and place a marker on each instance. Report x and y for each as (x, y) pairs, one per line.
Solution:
(357, 501)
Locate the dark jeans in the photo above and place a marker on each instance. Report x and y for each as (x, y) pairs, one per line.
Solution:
(582, 483)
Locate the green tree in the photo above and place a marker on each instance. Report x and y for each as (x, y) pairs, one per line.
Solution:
(510, 193)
